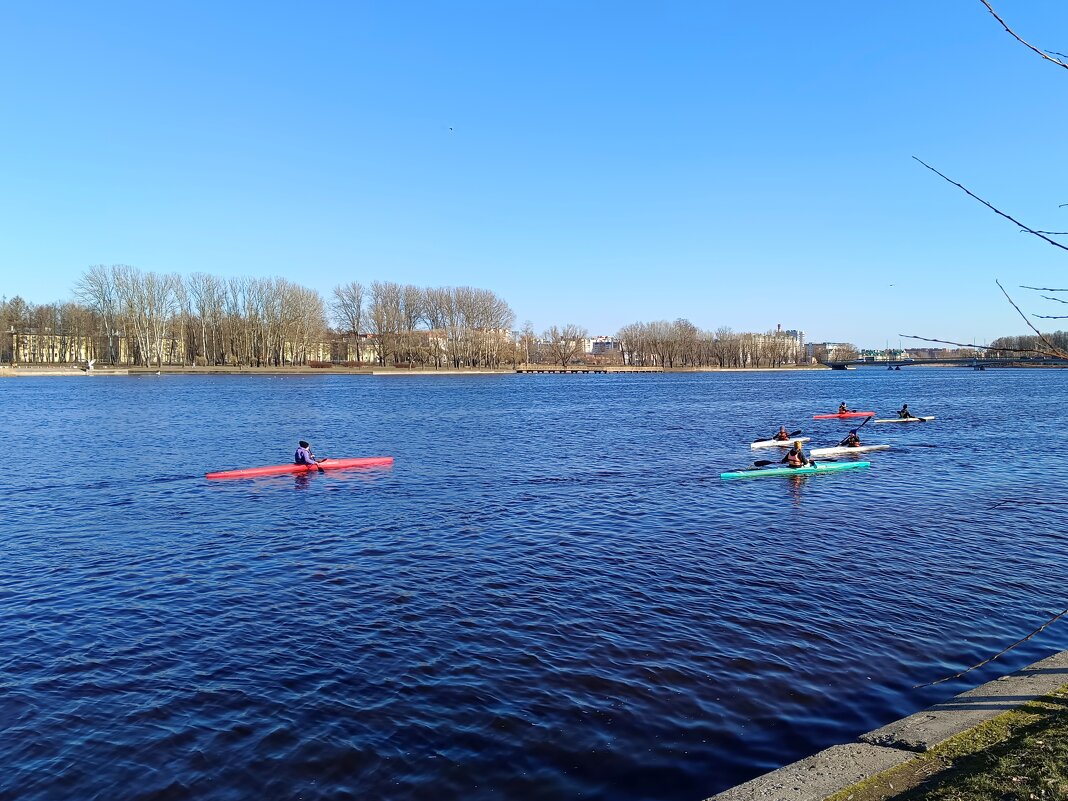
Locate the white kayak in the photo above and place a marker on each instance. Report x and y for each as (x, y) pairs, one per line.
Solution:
(905, 419)
(844, 451)
(782, 443)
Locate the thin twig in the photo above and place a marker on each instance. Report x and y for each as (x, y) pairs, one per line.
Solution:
(1053, 348)
(1053, 619)
(1049, 233)
(1050, 316)
(1042, 288)
(1056, 300)
(1015, 36)
(990, 206)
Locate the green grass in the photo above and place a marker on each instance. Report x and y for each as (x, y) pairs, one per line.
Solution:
(1019, 756)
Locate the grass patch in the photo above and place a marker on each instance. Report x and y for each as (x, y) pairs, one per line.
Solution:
(1019, 756)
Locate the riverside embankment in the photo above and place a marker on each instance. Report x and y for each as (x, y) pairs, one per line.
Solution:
(890, 759)
(69, 370)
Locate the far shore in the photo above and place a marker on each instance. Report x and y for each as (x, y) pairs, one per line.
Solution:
(27, 371)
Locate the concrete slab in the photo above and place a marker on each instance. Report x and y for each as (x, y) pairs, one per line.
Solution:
(924, 730)
(820, 775)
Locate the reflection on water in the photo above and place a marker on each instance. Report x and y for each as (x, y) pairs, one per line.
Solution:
(550, 595)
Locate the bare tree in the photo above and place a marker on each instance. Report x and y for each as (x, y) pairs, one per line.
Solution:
(348, 310)
(564, 343)
(385, 317)
(97, 288)
(1048, 348)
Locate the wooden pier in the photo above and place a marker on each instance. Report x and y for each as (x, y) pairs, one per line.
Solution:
(545, 369)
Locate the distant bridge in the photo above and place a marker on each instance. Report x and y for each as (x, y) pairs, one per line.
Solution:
(974, 363)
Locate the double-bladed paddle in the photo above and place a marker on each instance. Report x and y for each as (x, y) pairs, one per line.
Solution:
(866, 421)
(765, 462)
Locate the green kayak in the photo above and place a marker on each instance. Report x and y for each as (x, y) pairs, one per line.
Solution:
(821, 467)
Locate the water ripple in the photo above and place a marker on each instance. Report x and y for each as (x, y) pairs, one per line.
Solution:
(550, 595)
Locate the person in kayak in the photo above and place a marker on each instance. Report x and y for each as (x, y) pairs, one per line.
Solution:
(851, 441)
(304, 455)
(795, 457)
(842, 408)
(782, 434)
(904, 413)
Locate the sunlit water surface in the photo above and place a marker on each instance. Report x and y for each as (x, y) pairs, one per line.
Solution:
(550, 595)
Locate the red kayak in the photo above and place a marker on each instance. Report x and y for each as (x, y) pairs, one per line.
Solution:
(281, 469)
(842, 415)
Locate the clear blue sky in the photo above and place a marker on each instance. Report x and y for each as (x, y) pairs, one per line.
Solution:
(735, 163)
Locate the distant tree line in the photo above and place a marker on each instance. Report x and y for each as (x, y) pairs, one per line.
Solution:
(126, 316)
(123, 315)
(1029, 345)
(441, 326)
(682, 344)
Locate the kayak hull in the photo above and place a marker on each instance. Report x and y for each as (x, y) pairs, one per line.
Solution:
(845, 451)
(842, 416)
(905, 420)
(282, 469)
(837, 467)
(781, 443)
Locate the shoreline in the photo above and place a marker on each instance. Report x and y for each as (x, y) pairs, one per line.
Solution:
(875, 759)
(53, 371)
(59, 371)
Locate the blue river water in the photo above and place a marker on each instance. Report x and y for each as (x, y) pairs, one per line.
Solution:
(550, 595)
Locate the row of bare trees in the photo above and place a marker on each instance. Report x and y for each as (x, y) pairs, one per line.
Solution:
(682, 344)
(165, 318)
(128, 316)
(67, 327)
(439, 326)
(1031, 345)
(124, 315)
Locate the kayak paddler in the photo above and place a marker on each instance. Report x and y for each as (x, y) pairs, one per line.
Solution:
(795, 457)
(851, 441)
(782, 434)
(842, 408)
(304, 455)
(904, 413)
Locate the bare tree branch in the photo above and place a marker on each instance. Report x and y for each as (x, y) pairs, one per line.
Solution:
(1050, 233)
(1015, 36)
(1058, 300)
(1043, 288)
(1053, 348)
(989, 205)
(1050, 316)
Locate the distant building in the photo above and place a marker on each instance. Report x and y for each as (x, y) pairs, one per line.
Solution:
(787, 347)
(827, 350)
(601, 346)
